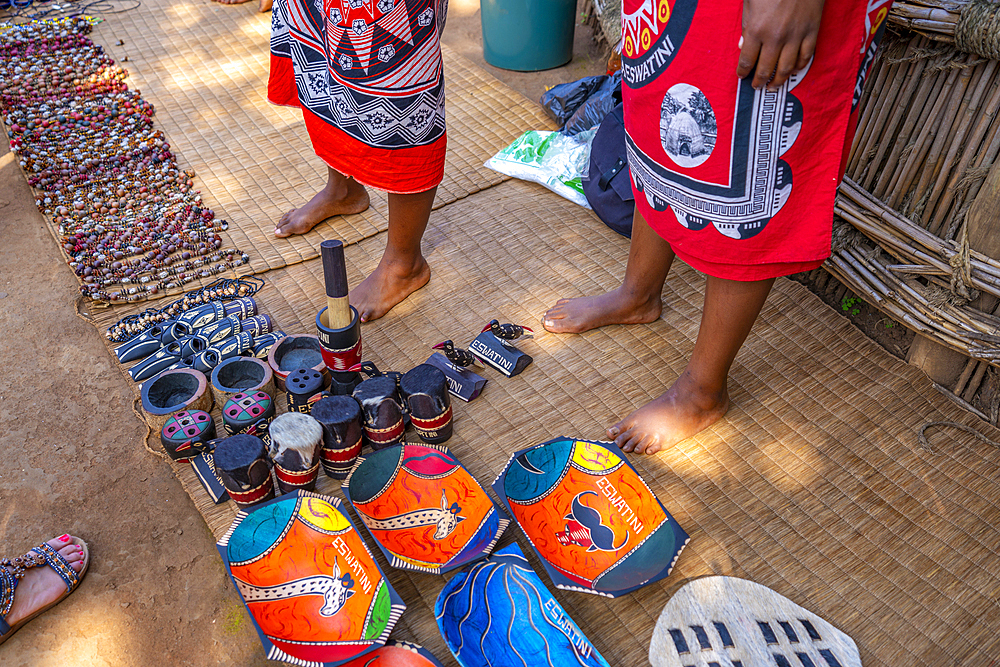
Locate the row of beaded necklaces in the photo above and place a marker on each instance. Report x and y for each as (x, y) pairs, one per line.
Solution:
(130, 222)
(223, 289)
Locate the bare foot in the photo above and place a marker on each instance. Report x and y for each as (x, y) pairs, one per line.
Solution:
(676, 414)
(41, 586)
(230, 2)
(325, 204)
(618, 306)
(265, 5)
(387, 285)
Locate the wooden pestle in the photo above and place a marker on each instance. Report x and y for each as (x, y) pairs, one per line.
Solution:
(338, 308)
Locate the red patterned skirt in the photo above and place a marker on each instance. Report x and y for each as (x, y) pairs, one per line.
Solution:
(368, 77)
(740, 182)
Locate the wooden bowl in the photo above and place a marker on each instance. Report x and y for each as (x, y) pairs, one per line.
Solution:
(241, 374)
(294, 352)
(173, 391)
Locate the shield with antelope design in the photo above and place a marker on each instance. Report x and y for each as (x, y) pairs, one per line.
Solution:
(425, 511)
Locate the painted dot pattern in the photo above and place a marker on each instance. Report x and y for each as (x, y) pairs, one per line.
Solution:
(247, 407)
(189, 423)
(184, 434)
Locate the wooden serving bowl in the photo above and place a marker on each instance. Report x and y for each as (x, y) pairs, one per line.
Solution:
(294, 352)
(241, 374)
(173, 391)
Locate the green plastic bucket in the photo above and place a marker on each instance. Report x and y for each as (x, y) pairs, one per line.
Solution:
(528, 35)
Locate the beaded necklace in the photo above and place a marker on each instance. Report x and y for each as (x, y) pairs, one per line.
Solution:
(130, 221)
(224, 289)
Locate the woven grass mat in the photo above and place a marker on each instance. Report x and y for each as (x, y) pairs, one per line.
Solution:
(814, 484)
(205, 66)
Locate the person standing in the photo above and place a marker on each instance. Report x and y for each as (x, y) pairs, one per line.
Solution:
(739, 115)
(368, 77)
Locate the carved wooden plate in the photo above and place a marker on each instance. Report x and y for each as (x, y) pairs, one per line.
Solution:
(425, 511)
(590, 517)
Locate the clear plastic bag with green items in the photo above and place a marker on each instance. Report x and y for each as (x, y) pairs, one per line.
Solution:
(553, 159)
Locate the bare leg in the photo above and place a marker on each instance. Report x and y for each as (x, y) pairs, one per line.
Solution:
(700, 396)
(265, 5)
(403, 269)
(636, 301)
(341, 196)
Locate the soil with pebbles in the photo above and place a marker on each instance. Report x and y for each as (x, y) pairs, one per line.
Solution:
(73, 461)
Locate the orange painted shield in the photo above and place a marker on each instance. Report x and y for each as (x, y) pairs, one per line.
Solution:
(313, 589)
(424, 509)
(592, 519)
(396, 654)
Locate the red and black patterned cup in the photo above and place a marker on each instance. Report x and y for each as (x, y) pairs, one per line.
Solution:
(341, 349)
(383, 411)
(426, 392)
(296, 440)
(241, 463)
(340, 417)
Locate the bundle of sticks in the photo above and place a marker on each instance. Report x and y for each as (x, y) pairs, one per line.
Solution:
(972, 25)
(886, 275)
(936, 19)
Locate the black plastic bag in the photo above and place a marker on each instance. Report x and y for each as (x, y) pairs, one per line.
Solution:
(563, 100)
(583, 104)
(598, 105)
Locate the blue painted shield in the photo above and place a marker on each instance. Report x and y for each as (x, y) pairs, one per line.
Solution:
(499, 614)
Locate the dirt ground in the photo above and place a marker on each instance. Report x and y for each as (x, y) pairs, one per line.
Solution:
(73, 459)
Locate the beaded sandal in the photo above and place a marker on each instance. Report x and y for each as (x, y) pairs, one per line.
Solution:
(39, 556)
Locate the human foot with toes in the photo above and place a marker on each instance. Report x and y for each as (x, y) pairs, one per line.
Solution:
(265, 5)
(388, 284)
(677, 414)
(402, 269)
(618, 306)
(38, 580)
(341, 196)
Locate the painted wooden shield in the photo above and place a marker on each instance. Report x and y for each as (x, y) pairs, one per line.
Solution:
(314, 591)
(499, 614)
(396, 654)
(593, 521)
(729, 621)
(425, 511)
